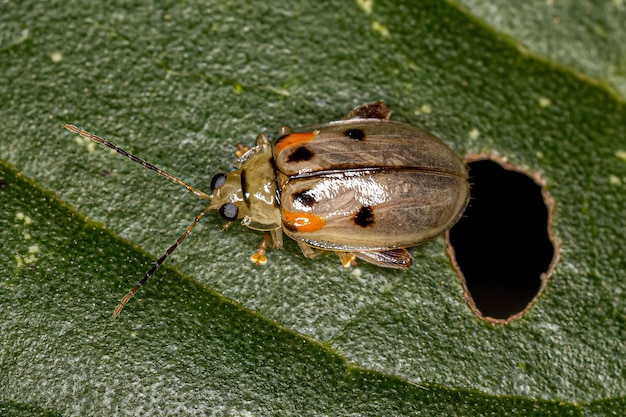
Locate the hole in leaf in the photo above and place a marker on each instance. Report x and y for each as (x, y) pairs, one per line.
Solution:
(502, 247)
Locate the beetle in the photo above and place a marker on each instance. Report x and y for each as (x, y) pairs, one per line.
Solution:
(362, 187)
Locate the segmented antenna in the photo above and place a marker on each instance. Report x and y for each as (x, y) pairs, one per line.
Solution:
(162, 173)
(158, 263)
(133, 158)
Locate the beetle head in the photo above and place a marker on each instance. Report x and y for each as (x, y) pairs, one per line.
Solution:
(227, 196)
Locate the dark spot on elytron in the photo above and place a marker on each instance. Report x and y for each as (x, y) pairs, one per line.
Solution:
(356, 134)
(364, 217)
(304, 197)
(300, 155)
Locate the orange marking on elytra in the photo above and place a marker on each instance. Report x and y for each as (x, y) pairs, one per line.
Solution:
(294, 139)
(303, 222)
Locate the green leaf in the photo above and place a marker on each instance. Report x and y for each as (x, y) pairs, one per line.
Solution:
(586, 36)
(180, 84)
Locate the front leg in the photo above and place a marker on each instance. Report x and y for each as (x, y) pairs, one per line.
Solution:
(275, 237)
(259, 257)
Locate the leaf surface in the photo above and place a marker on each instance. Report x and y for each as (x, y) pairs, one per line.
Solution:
(180, 84)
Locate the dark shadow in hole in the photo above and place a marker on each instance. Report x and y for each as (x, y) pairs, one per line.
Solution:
(502, 243)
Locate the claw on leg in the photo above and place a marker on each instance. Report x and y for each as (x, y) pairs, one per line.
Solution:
(241, 149)
(347, 259)
(259, 257)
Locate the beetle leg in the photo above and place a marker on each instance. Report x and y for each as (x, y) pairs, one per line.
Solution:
(347, 259)
(259, 257)
(277, 238)
(284, 130)
(392, 258)
(307, 250)
(377, 110)
(241, 150)
(262, 139)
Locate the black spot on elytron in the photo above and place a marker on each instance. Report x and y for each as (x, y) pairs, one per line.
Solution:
(305, 198)
(356, 134)
(300, 155)
(364, 217)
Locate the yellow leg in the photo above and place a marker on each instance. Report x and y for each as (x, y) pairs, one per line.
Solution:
(347, 259)
(259, 257)
(241, 149)
(307, 250)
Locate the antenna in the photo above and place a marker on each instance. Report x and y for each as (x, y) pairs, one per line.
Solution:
(162, 173)
(158, 263)
(133, 158)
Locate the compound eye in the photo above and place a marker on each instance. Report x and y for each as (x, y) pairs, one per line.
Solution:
(228, 211)
(217, 181)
